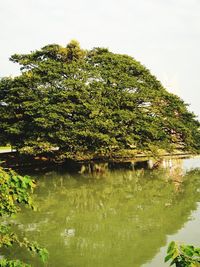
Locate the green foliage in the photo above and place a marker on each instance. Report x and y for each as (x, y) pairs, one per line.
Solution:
(94, 103)
(13, 263)
(183, 255)
(14, 191)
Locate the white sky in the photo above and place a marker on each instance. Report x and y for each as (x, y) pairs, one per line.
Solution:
(164, 35)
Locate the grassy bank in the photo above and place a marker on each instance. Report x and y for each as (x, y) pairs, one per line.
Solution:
(5, 148)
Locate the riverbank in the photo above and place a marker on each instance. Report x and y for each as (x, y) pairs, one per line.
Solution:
(12, 159)
(5, 149)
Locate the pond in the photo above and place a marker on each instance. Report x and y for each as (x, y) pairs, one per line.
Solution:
(113, 216)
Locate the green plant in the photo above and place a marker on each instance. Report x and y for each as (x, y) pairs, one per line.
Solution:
(14, 191)
(94, 103)
(183, 255)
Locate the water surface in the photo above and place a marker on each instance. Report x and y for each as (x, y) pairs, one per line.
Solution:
(121, 217)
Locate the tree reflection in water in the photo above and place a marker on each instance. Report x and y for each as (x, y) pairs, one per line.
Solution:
(108, 216)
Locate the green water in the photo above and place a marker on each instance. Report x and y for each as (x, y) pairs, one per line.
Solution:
(112, 218)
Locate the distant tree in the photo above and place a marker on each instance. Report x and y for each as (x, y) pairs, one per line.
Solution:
(91, 103)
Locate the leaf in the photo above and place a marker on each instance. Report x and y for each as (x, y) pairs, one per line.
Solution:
(189, 251)
(43, 253)
(168, 257)
(171, 246)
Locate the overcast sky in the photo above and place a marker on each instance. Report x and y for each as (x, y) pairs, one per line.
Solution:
(164, 35)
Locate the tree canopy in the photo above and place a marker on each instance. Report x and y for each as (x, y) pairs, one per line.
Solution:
(90, 102)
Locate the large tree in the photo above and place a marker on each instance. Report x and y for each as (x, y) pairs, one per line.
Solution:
(91, 103)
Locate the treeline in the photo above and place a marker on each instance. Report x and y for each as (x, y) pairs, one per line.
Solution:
(89, 103)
